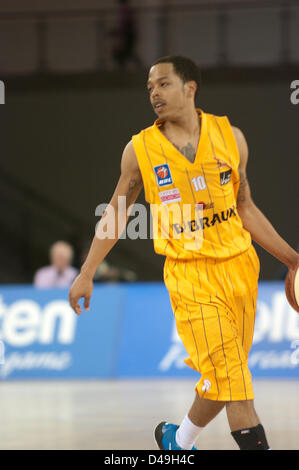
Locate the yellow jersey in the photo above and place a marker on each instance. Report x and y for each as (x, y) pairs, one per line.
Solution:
(193, 205)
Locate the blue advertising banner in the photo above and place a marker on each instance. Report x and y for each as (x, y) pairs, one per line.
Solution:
(42, 337)
(275, 350)
(128, 332)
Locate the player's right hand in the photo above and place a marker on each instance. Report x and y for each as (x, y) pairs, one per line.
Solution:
(81, 287)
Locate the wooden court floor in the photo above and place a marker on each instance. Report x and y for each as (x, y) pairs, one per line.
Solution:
(121, 414)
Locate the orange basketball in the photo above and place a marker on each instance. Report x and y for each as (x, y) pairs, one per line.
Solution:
(292, 288)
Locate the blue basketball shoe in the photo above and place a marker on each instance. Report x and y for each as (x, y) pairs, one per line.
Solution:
(165, 436)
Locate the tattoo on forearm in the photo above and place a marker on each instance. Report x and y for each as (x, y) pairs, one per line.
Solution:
(188, 151)
(134, 184)
(242, 187)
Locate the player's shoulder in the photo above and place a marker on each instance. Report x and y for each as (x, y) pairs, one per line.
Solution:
(238, 133)
(242, 145)
(143, 138)
(225, 123)
(213, 116)
(225, 119)
(129, 159)
(145, 130)
(241, 142)
(217, 121)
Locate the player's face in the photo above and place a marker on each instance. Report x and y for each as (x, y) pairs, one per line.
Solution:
(168, 94)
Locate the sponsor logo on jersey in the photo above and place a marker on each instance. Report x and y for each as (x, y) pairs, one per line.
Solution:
(221, 163)
(170, 195)
(205, 205)
(163, 175)
(225, 177)
(207, 222)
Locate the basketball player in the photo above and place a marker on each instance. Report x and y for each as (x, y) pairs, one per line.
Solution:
(189, 157)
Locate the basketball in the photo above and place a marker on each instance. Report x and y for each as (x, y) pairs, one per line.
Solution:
(292, 288)
(162, 172)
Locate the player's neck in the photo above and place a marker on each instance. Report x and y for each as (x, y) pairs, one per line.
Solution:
(187, 123)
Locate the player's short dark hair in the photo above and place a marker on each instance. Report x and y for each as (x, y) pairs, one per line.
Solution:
(184, 67)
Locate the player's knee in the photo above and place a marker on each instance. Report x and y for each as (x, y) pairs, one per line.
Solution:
(240, 404)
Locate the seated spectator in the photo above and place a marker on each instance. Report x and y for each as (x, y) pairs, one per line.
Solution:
(106, 272)
(60, 273)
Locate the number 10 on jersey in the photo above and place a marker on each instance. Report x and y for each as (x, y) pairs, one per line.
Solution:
(199, 183)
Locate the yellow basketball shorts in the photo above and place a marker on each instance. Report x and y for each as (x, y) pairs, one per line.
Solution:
(214, 305)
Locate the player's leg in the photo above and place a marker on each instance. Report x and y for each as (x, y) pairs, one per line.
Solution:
(244, 422)
(204, 410)
(200, 414)
(245, 426)
(214, 340)
(204, 329)
(226, 378)
(241, 414)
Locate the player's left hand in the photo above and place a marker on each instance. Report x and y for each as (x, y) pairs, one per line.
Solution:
(81, 287)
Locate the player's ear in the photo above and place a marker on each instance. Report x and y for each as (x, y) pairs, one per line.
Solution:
(191, 88)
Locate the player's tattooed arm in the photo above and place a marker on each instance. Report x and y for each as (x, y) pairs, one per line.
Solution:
(188, 151)
(130, 182)
(243, 183)
(134, 184)
(253, 220)
(129, 185)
